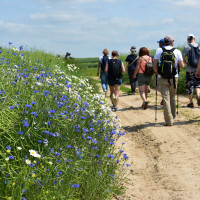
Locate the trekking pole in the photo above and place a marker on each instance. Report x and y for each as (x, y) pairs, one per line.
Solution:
(156, 97)
(177, 90)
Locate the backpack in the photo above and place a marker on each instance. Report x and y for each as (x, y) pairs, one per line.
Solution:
(103, 62)
(193, 56)
(114, 69)
(148, 68)
(167, 68)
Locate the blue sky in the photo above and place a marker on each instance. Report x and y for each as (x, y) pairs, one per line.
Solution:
(85, 27)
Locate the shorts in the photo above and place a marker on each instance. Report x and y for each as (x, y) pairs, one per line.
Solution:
(143, 80)
(115, 82)
(191, 82)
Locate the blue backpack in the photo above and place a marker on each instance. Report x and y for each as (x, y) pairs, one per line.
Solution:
(103, 63)
(193, 56)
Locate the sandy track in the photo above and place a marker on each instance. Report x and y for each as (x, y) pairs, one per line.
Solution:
(166, 160)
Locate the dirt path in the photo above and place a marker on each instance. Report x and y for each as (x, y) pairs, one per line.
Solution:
(166, 160)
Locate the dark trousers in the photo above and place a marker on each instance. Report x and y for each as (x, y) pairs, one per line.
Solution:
(133, 82)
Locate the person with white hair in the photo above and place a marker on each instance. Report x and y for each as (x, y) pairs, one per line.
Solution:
(192, 82)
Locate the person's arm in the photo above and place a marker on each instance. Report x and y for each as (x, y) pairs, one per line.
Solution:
(137, 68)
(106, 68)
(197, 74)
(123, 68)
(155, 66)
(181, 64)
(184, 60)
(99, 66)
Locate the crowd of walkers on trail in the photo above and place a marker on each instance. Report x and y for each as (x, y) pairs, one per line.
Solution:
(165, 64)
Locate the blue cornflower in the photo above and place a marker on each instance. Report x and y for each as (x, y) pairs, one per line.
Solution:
(57, 154)
(94, 147)
(20, 132)
(9, 43)
(11, 107)
(75, 185)
(99, 172)
(34, 113)
(52, 111)
(40, 141)
(47, 132)
(8, 147)
(33, 102)
(38, 61)
(28, 106)
(112, 175)
(110, 156)
(127, 165)
(69, 146)
(121, 151)
(126, 157)
(11, 157)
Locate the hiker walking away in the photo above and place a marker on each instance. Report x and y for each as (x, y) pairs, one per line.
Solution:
(114, 68)
(101, 66)
(192, 52)
(143, 80)
(168, 58)
(67, 55)
(131, 63)
(161, 44)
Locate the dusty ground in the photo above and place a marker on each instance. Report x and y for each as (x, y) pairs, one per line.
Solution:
(166, 160)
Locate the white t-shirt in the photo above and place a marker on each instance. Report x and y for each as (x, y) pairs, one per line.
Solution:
(177, 53)
(101, 57)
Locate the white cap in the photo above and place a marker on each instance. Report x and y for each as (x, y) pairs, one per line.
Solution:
(190, 36)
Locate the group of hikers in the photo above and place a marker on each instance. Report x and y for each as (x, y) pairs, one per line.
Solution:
(165, 64)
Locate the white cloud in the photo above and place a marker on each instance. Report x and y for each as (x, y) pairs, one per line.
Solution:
(169, 21)
(13, 27)
(187, 3)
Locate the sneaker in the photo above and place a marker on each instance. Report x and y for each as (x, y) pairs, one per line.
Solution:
(106, 91)
(190, 105)
(115, 109)
(198, 101)
(145, 105)
(162, 103)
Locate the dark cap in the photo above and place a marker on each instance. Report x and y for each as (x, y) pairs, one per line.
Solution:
(168, 40)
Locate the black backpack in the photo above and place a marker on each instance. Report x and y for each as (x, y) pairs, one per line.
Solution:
(167, 68)
(103, 62)
(114, 69)
(193, 56)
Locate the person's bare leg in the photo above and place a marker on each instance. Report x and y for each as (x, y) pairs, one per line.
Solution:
(142, 93)
(112, 92)
(117, 88)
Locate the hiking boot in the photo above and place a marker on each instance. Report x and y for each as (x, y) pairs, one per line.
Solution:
(162, 103)
(198, 101)
(145, 105)
(190, 105)
(168, 124)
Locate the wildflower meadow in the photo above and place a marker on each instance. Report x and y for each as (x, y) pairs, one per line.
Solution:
(57, 134)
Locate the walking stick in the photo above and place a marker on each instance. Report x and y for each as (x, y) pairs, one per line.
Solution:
(177, 90)
(156, 97)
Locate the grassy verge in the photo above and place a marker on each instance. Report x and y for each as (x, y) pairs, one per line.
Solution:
(57, 134)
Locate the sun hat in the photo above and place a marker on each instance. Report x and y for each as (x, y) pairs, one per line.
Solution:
(133, 48)
(161, 41)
